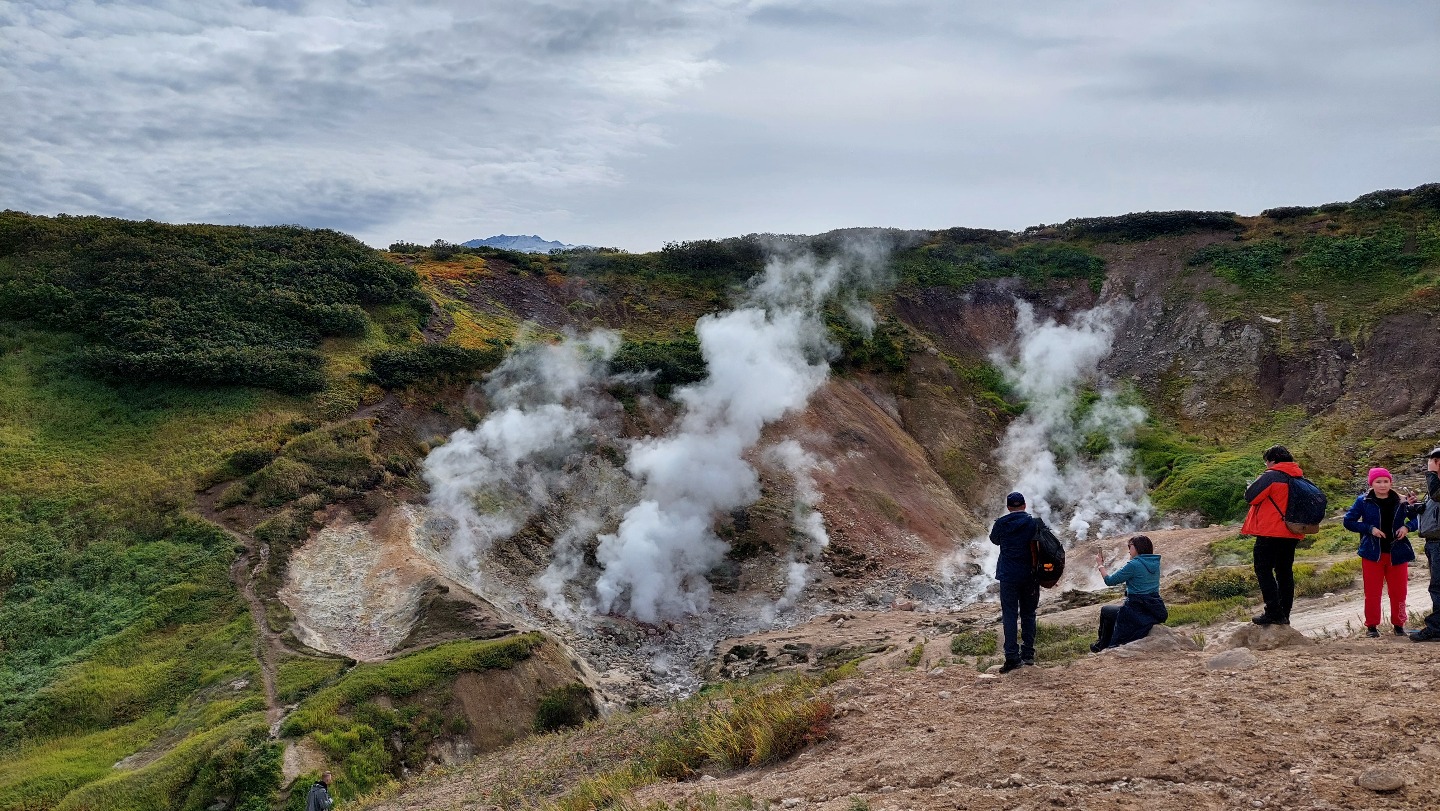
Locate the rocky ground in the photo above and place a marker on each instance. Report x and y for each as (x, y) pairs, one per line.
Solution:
(1290, 728)
(1257, 719)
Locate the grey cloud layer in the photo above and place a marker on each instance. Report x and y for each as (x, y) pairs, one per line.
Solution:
(633, 122)
(350, 114)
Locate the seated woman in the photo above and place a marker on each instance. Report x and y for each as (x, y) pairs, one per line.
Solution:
(1143, 608)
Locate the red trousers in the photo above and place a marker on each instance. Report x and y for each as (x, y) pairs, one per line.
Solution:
(1376, 574)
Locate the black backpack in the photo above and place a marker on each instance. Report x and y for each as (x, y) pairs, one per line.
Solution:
(1047, 555)
(1305, 508)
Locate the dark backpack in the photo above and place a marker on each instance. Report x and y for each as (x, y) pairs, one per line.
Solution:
(1305, 508)
(1047, 556)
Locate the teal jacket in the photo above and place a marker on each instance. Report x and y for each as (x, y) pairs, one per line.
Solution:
(1140, 576)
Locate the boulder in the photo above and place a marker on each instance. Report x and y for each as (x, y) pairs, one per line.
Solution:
(1265, 637)
(1161, 639)
(1233, 659)
(1380, 781)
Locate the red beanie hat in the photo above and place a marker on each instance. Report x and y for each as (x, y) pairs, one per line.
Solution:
(1379, 473)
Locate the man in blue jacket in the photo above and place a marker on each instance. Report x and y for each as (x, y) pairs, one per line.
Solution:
(1019, 591)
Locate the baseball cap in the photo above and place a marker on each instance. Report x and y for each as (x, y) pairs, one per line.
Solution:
(1433, 454)
(1018, 499)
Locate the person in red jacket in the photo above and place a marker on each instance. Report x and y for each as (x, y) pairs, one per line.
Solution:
(1274, 542)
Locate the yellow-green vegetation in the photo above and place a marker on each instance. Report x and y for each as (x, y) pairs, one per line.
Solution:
(1061, 643)
(1205, 612)
(974, 643)
(916, 656)
(299, 676)
(731, 726)
(359, 733)
(120, 347)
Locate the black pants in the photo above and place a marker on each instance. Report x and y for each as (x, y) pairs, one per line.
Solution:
(1274, 568)
(1018, 602)
(1108, 613)
(1432, 555)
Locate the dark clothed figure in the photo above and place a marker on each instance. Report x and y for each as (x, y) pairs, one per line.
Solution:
(1431, 631)
(319, 798)
(1142, 609)
(1132, 621)
(1019, 592)
(1274, 542)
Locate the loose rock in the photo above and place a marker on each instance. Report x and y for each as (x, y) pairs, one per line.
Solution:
(1380, 781)
(1235, 659)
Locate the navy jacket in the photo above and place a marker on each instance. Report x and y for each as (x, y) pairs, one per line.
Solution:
(1012, 533)
(1137, 616)
(1364, 515)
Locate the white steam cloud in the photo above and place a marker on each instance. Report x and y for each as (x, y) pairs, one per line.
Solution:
(534, 457)
(764, 360)
(487, 482)
(1073, 464)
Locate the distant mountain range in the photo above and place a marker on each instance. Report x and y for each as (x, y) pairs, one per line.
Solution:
(524, 244)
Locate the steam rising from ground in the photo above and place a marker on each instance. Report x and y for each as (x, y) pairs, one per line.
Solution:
(489, 481)
(1070, 452)
(764, 361)
(529, 458)
(1072, 460)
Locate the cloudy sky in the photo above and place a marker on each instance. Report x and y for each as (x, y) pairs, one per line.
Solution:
(634, 122)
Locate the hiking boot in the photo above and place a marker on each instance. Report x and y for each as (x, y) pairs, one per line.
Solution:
(1264, 619)
(1425, 635)
(1400, 630)
(1285, 620)
(1010, 664)
(1028, 662)
(1372, 631)
(1096, 647)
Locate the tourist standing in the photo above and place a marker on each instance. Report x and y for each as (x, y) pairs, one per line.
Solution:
(1431, 631)
(1019, 591)
(1275, 544)
(1384, 521)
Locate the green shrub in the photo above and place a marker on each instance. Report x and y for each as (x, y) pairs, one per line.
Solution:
(1203, 612)
(568, 706)
(948, 263)
(1213, 486)
(1253, 267)
(674, 363)
(406, 366)
(1312, 581)
(1148, 224)
(974, 643)
(195, 303)
(1219, 584)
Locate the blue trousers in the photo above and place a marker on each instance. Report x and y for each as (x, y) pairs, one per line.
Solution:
(1018, 602)
(1432, 554)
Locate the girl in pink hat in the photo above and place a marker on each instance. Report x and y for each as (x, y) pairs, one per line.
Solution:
(1384, 522)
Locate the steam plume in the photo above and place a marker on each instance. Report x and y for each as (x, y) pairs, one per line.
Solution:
(488, 481)
(1045, 451)
(764, 361)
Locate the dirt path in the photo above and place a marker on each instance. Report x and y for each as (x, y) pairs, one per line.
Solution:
(242, 572)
